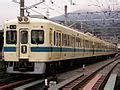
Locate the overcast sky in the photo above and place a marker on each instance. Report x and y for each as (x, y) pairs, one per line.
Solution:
(10, 10)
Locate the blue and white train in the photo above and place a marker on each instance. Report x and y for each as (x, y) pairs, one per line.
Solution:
(36, 46)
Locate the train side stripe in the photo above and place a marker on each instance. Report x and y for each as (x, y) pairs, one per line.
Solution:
(55, 49)
(9, 49)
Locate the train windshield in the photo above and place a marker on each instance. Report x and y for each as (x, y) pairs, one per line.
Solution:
(24, 37)
(37, 37)
(11, 37)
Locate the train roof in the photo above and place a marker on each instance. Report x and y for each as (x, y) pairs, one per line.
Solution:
(38, 20)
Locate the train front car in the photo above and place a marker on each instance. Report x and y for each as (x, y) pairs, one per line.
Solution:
(33, 46)
(24, 38)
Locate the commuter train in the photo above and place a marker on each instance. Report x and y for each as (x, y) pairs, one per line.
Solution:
(1, 43)
(37, 46)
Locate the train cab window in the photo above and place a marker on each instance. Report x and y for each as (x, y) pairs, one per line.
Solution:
(37, 37)
(11, 37)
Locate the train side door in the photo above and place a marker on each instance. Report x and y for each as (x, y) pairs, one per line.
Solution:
(23, 43)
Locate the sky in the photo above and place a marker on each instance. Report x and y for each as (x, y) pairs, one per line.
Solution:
(10, 10)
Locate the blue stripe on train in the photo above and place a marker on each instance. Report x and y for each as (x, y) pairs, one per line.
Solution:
(54, 49)
(9, 49)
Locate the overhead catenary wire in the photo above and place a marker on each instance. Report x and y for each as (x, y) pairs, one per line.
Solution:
(30, 9)
(52, 8)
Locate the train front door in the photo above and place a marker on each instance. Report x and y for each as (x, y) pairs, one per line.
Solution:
(23, 43)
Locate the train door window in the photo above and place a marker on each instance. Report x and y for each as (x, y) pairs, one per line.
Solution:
(50, 36)
(54, 37)
(73, 41)
(88, 43)
(85, 43)
(37, 37)
(11, 37)
(81, 42)
(78, 42)
(62, 39)
(68, 40)
(59, 39)
(24, 37)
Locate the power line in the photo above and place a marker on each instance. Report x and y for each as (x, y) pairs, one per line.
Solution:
(30, 9)
(52, 8)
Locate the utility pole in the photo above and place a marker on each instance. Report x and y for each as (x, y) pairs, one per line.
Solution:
(71, 2)
(22, 8)
(65, 15)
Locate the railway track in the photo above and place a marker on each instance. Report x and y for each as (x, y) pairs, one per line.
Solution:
(21, 82)
(81, 81)
(13, 81)
(94, 80)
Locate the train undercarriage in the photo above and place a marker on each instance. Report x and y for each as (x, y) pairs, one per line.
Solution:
(26, 67)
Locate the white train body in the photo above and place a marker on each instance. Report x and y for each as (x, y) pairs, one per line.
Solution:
(30, 44)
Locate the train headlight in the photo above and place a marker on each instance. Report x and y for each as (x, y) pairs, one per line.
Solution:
(25, 19)
(20, 19)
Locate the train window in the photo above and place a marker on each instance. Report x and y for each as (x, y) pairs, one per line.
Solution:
(59, 39)
(50, 37)
(68, 40)
(54, 37)
(78, 42)
(11, 37)
(37, 37)
(73, 41)
(24, 37)
(65, 40)
(62, 39)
